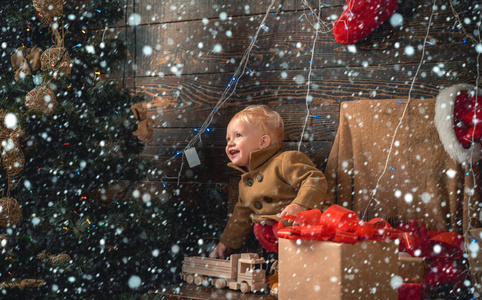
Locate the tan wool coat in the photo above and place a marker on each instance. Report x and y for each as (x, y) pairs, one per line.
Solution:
(276, 180)
(417, 181)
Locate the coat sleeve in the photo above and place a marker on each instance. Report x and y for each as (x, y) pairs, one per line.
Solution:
(299, 171)
(239, 226)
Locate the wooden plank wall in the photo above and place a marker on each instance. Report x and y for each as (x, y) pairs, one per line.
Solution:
(183, 54)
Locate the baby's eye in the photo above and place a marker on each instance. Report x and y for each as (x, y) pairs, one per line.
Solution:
(238, 134)
(228, 139)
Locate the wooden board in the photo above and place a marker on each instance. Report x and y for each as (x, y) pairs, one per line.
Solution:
(189, 100)
(160, 11)
(286, 42)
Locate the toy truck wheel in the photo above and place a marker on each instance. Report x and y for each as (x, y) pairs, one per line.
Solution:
(220, 283)
(189, 278)
(245, 287)
(198, 280)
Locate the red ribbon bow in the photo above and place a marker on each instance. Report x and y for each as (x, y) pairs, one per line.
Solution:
(442, 248)
(337, 224)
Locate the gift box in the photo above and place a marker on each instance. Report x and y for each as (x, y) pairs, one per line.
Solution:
(411, 269)
(334, 255)
(331, 270)
(444, 272)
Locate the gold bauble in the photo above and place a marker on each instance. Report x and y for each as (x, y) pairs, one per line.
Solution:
(41, 100)
(48, 9)
(10, 212)
(57, 58)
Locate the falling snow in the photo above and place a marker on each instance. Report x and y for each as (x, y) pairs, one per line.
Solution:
(102, 214)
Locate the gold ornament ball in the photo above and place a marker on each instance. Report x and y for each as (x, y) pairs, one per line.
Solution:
(41, 100)
(10, 212)
(57, 58)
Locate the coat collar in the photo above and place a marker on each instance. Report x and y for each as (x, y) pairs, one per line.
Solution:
(257, 158)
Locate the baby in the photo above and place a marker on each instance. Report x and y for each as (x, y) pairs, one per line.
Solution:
(273, 183)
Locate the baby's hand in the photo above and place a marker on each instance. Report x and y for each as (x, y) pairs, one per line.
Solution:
(221, 251)
(292, 210)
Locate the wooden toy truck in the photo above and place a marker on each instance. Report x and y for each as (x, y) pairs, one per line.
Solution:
(241, 272)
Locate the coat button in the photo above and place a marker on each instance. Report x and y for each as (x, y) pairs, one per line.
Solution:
(268, 199)
(258, 205)
(249, 181)
(259, 177)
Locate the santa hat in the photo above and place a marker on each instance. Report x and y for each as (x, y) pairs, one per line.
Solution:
(445, 124)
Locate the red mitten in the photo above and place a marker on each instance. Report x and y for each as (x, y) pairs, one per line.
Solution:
(360, 18)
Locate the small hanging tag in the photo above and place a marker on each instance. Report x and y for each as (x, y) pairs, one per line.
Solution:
(192, 157)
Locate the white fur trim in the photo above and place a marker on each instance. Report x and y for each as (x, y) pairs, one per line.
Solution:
(444, 121)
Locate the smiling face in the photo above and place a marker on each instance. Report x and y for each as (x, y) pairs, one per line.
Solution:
(242, 138)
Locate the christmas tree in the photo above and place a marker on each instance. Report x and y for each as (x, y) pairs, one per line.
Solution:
(66, 136)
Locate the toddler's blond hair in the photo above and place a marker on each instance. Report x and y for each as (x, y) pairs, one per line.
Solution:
(265, 119)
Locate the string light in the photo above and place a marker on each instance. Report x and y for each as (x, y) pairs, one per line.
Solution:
(308, 83)
(227, 93)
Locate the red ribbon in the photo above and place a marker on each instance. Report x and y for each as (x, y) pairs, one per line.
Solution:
(336, 224)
